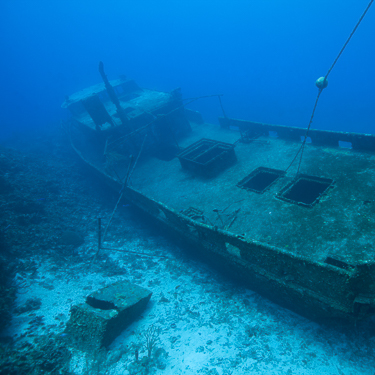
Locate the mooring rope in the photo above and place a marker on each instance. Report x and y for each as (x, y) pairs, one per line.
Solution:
(131, 170)
(323, 85)
(114, 210)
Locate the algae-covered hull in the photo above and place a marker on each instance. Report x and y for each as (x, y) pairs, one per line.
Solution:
(234, 195)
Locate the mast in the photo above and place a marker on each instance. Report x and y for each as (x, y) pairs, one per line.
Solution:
(112, 95)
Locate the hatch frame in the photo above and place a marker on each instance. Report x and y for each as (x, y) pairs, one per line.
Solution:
(256, 172)
(292, 184)
(197, 157)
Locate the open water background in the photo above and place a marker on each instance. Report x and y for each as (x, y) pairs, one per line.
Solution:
(263, 55)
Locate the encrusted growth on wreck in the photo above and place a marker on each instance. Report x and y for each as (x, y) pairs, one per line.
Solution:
(305, 239)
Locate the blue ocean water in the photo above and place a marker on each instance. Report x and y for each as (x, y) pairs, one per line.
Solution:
(262, 55)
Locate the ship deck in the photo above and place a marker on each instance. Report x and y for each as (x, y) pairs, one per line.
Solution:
(340, 225)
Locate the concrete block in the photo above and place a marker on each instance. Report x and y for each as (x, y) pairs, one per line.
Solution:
(105, 314)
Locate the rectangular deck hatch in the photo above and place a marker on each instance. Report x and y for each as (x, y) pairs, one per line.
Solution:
(305, 190)
(207, 157)
(261, 179)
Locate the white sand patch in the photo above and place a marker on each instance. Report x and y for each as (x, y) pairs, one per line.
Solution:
(208, 325)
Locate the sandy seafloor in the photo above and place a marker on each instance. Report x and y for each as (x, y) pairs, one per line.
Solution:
(209, 324)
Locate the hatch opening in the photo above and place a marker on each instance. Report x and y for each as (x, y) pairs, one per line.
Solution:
(305, 190)
(344, 144)
(261, 179)
(207, 157)
(209, 154)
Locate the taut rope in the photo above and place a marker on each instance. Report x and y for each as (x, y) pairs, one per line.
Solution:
(321, 87)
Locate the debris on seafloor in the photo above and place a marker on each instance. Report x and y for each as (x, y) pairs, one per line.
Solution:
(105, 314)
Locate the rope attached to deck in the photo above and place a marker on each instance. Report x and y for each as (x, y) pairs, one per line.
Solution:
(321, 84)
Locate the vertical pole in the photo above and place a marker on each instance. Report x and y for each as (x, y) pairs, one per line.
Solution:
(99, 232)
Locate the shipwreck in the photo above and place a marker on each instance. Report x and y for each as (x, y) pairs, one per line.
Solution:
(299, 230)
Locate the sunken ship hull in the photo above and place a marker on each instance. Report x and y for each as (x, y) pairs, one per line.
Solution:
(305, 240)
